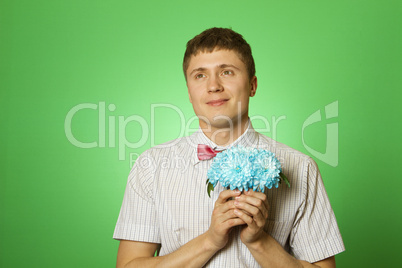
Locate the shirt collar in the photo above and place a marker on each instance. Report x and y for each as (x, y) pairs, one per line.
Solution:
(248, 139)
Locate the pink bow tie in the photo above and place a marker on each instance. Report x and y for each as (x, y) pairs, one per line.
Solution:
(205, 152)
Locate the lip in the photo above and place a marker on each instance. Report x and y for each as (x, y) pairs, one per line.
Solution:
(218, 102)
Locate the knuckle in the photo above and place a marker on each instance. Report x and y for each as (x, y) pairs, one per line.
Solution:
(256, 211)
(222, 195)
(231, 222)
(232, 213)
(247, 213)
(231, 204)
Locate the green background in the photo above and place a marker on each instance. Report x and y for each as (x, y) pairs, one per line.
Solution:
(59, 203)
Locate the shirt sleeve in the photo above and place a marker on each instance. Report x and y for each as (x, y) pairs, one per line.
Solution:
(315, 235)
(138, 219)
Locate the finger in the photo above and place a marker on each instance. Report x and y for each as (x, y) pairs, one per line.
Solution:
(258, 200)
(255, 223)
(245, 211)
(232, 222)
(225, 195)
(259, 195)
(230, 214)
(246, 218)
(258, 216)
(244, 201)
(224, 208)
(250, 210)
(226, 220)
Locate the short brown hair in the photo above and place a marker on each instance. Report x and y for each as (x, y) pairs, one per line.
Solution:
(220, 38)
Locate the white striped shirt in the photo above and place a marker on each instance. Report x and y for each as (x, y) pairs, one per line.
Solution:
(166, 202)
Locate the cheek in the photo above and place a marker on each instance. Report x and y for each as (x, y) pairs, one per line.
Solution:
(191, 95)
(194, 98)
(241, 94)
(195, 94)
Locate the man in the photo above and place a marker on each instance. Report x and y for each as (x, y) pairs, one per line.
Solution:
(166, 205)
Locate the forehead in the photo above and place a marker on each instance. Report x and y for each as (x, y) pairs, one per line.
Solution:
(215, 58)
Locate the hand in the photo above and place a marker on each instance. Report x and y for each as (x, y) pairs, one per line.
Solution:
(252, 208)
(223, 219)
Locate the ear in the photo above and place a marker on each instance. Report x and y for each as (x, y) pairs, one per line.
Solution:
(253, 86)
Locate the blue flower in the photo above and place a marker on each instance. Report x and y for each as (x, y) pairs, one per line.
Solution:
(245, 168)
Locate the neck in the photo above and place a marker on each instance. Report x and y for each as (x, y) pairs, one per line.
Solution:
(224, 135)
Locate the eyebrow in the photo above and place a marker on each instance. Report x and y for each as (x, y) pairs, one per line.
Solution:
(222, 66)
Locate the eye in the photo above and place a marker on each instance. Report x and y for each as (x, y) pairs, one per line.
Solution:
(227, 72)
(198, 76)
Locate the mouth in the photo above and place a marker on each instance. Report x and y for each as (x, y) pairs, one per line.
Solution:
(218, 102)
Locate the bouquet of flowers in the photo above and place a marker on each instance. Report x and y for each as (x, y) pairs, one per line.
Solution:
(245, 168)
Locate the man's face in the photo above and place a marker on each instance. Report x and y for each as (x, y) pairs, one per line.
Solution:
(219, 88)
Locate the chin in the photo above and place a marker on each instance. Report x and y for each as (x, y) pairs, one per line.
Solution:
(221, 122)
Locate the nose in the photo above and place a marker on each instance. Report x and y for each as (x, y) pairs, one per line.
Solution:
(214, 84)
